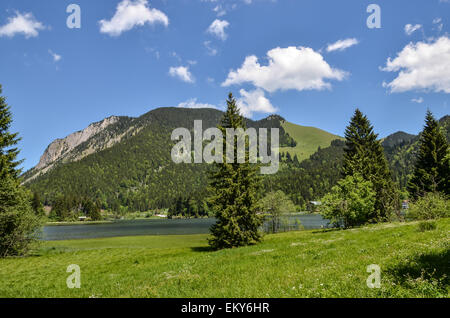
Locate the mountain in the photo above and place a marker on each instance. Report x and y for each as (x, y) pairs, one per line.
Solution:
(124, 161)
(96, 137)
(397, 139)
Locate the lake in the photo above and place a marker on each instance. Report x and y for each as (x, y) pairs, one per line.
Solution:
(153, 227)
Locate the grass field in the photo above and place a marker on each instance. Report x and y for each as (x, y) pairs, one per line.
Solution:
(318, 263)
(308, 140)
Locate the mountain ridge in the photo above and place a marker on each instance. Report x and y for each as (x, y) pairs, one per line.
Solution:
(93, 138)
(137, 172)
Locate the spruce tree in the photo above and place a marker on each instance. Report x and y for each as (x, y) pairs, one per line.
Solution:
(91, 209)
(234, 188)
(37, 205)
(18, 223)
(432, 168)
(364, 155)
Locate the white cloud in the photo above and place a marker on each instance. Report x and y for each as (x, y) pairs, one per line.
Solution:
(298, 68)
(417, 100)
(56, 57)
(410, 29)
(131, 13)
(219, 10)
(154, 51)
(438, 23)
(421, 66)
(182, 73)
(254, 102)
(341, 45)
(21, 23)
(192, 103)
(217, 28)
(210, 50)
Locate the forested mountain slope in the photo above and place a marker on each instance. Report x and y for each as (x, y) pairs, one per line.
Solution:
(127, 164)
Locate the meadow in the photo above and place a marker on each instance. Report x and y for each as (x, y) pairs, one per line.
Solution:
(308, 140)
(414, 262)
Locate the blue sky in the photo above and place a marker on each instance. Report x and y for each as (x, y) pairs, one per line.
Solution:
(132, 56)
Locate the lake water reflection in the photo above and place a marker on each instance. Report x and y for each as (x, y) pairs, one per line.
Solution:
(153, 227)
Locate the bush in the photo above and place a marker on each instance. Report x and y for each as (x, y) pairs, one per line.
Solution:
(350, 203)
(432, 205)
(427, 226)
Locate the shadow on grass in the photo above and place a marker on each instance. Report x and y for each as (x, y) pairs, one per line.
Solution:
(45, 251)
(334, 229)
(201, 249)
(433, 266)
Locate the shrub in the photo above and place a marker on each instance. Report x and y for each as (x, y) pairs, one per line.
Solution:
(432, 205)
(427, 226)
(350, 203)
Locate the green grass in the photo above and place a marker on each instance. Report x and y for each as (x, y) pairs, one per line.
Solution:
(316, 263)
(308, 140)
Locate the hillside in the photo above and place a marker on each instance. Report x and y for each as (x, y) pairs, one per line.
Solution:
(310, 179)
(401, 149)
(96, 137)
(307, 139)
(294, 264)
(127, 164)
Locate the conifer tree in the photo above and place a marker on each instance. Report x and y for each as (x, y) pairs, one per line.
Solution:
(432, 168)
(92, 210)
(234, 188)
(288, 157)
(37, 204)
(18, 223)
(364, 155)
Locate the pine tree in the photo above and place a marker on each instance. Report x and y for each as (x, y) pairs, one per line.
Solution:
(18, 223)
(364, 155)
(432, 168)
(37, 204)
(92, 210)
(8, 141)
(234, 188)
(288, 157)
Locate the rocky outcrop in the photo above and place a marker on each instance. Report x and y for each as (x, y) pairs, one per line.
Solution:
(60, 148)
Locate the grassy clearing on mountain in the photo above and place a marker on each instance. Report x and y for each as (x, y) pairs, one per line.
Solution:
(318, 263)
(308, 139)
